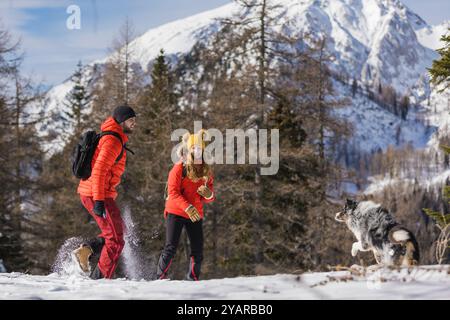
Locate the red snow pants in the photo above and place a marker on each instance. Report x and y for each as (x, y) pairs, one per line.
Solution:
(112, 228)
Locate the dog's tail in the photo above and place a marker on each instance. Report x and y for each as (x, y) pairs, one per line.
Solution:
(404, 237)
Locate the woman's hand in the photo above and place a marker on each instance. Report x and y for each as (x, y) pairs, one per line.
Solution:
(204, 192)
(192, 213)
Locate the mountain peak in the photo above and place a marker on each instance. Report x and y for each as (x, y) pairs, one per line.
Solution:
(373, 41)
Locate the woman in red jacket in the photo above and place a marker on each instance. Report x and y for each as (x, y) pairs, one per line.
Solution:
(190, 184)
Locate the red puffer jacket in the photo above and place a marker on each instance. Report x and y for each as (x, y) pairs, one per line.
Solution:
(183, 192)
(106, 172)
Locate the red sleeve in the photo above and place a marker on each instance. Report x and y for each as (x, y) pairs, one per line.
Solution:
(174, 188)
(210, 185)
(110, 149)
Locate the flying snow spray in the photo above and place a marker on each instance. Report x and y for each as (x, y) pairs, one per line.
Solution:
(133, 266)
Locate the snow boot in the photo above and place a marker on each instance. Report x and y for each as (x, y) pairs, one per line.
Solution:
(194, 269)
(96, 273)
(96, 245)
(82, 255)
(163, 266)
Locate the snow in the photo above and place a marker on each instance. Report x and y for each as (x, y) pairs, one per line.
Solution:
(430, 183)
(2, 267)
(429, 36)
(426, 282)
(176, 37)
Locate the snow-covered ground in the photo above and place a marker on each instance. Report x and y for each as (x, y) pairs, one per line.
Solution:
(426, 282)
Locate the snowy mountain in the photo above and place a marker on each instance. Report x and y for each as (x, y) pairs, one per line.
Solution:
(426, 282)
(429, 36)
(176, 38)
(373, 41)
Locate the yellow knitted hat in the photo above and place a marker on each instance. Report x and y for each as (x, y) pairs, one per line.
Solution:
(197, 139)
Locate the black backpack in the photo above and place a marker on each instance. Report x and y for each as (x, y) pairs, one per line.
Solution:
(84, 152)
(166, 189)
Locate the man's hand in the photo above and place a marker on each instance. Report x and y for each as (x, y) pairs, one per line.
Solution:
(204, 192)
(193, 213)
(99, 209)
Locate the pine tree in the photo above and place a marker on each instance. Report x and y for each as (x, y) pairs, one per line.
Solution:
(121, 79)
(310, 80)
(255, 29)
(404, 107)
(148, 169)
(122, 61)
(440, 70)
(20, 154)
(156, 109)
(77, 100)
(9, 238)
(6, 229)
(21, 163)
(442, 220)
(440, 74)
(354, 87)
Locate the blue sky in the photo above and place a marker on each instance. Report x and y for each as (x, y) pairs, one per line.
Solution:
(52, 51)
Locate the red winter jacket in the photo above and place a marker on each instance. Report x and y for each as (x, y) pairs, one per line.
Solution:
(182, 193)
(106, 172)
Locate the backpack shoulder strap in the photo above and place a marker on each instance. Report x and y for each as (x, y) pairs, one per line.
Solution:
(115, 134)
(184, 172)
(111, 133)
(128, 149)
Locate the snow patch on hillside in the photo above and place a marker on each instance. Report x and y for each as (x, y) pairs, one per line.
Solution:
(431, 183)
(429, 36)
(177, 37)
(375, 128)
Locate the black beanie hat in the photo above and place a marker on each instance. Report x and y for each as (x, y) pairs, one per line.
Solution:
(123, 113)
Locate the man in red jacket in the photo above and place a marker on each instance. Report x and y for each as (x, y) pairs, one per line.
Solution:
(98, 194)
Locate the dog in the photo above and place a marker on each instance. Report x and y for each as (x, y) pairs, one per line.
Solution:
(376, 230)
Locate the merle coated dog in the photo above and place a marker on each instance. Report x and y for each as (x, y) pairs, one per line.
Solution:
(376, 230)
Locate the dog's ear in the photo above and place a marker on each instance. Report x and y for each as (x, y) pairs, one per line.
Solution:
(351, 203)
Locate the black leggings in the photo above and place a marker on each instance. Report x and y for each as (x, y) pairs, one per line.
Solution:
(174, 226)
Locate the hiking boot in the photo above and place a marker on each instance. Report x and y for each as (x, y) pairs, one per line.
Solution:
(82, 255)
(96, 274)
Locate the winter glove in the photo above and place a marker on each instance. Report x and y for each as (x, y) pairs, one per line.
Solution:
(99, 209)
(193, 213)
(204, 192)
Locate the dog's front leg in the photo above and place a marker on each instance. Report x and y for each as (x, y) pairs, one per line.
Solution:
(359, 246)
(356, 246)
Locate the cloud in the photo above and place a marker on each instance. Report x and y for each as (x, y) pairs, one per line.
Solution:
(28, 4)
(14, 13)
(53, 51)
